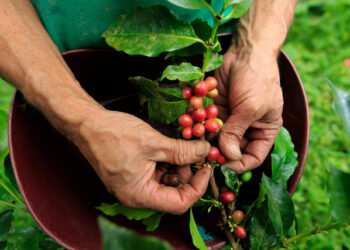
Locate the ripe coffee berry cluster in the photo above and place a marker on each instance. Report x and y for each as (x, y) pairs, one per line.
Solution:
(215, 155)
(198, 119)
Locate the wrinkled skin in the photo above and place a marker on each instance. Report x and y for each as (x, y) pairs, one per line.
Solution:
(124, 150)
(250, 102)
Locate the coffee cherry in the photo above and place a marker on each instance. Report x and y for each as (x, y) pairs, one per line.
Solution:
(238, 216)
(198, 130)
(221, 160)
(200, 88)
(240, 232)
(196, 101)
(211, 82)
(227, 197)
(187, 133)
(189, 110)
(186, 93)
(199, 114)
(220, 122)
(212, 126)
(213, 153)
(185, 120)
(171, 179)
(247, 176)
(212, 111)
(213, 94)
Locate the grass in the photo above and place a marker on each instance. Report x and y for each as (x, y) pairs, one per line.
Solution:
(318, 43)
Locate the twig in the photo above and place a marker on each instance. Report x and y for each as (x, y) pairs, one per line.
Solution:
(215, 191)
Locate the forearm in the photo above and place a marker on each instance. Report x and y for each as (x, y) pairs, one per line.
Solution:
(264, 27)
(33, 64)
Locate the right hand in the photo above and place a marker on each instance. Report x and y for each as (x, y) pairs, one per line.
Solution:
(124, 150)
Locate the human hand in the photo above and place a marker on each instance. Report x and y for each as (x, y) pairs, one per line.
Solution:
(250, 101)
(124, 150)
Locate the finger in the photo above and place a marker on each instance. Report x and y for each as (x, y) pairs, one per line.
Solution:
(185, 173)
(232, 133)
(223, 112)
(180, 152)
(255, 154)
(177, 200)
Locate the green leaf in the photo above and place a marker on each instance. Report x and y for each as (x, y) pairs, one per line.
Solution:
(280, 206)
(194, 49)
(341, 105)
(128, 212)
(196, 237)
(3, 244)
(152, 223)
(3, 130)
(283, 156)
(9, 172)
(234, 2)
(149, 32)
(339, 194)
(28, 239)
(171, 94)
(6, 219)
(117, 237)
(240, 8)
(214, 62)
(6, 92)
(261, 232)
(207, 101)
(182, 72)
(145, 87)
(165, 112)
(190, 4)
(202, 29)
(230, 177)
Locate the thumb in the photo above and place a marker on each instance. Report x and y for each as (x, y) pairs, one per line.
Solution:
(181, 152)
(231, 135)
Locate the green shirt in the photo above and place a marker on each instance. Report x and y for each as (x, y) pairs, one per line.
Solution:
(74, 24)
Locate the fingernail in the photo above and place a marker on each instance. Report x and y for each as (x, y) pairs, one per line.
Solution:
(235, 151)
(202, 148)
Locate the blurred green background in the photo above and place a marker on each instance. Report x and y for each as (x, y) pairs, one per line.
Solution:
(318, 43)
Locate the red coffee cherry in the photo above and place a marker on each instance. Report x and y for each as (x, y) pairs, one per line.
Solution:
(213, 93)
(186, 93)
(211, 82)
(200, 88)
(189, 110)
(198, 129)
(187, 133)
(196, 101)
(199, 114)
(227, 197)
(221, 160)
(213, 153)
(212, 111)
(185, 120)
(212, 126)
(220, 122)
(238, 215)
(240, 232)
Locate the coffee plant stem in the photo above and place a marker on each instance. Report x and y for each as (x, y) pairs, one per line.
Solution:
(11, 193)
(9, 204)
(211, 40)
(215, 190)
(316, 230)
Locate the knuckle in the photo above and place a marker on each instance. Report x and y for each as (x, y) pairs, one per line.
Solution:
(181, 151)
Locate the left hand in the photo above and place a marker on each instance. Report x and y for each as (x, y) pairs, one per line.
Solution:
(250, 102)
